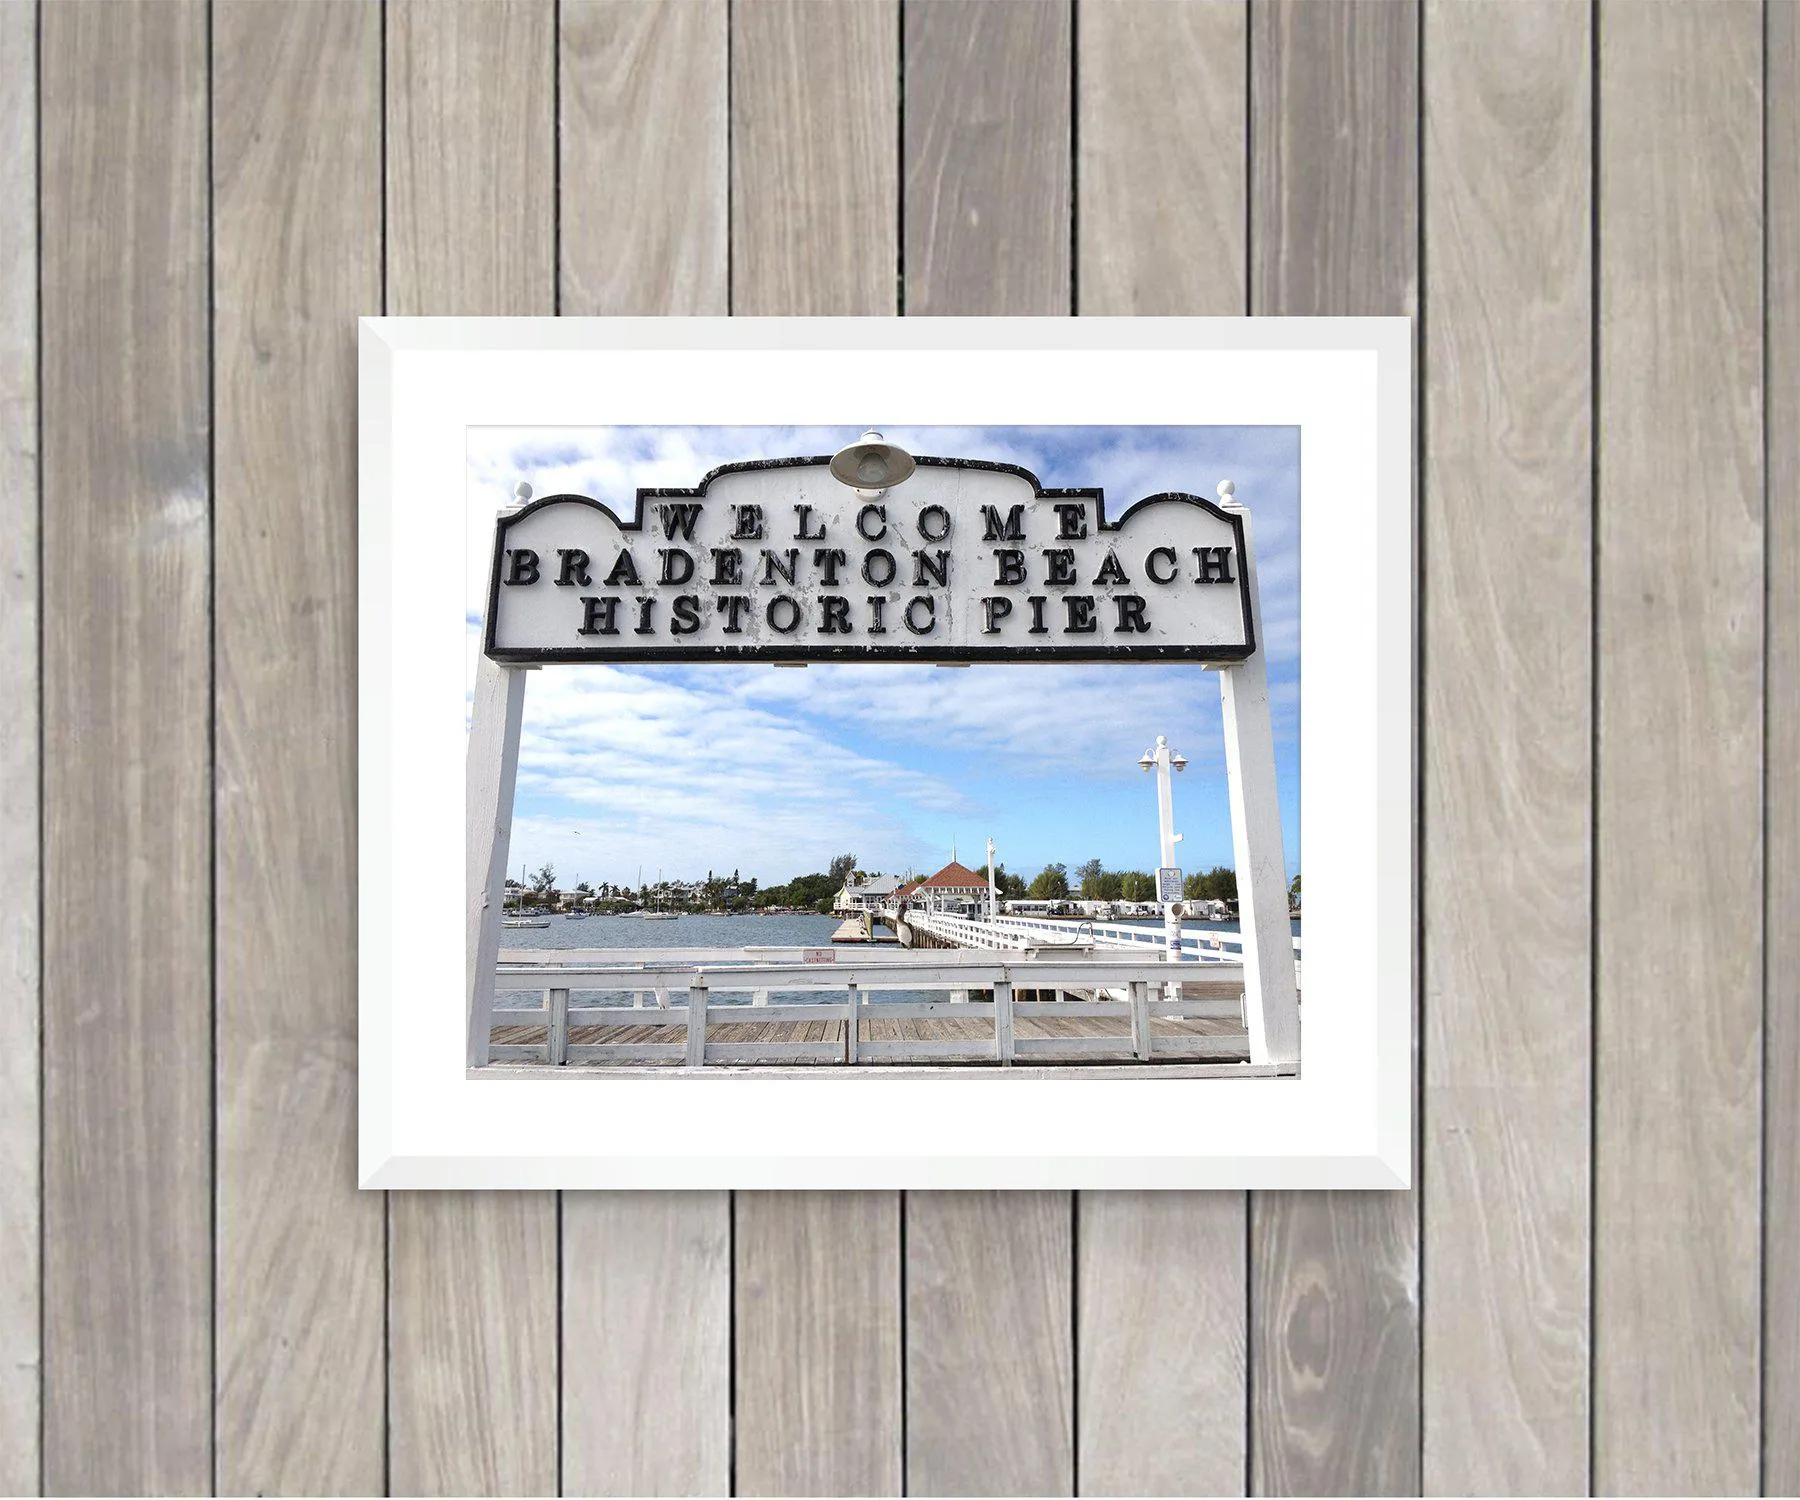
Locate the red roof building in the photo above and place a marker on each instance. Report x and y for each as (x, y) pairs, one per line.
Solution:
(954, 885)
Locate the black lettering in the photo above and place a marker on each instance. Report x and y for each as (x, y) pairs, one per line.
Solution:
(678, 520)
(1071, 522)
(522, 566)
(749, 527)
(624, 572)
(834, 614)
(1009, 566)
(912, 606)
(939, 528)
(1150, 564)
(939, 570)
(732, 606)
(1214, 564)
(1037, 603)
(574, 568)
(1081, 614)
(599, 616)
(1059, 563)
(771, 566)
(678, 566)
(803, 518)
(828, 560)
(646, 606)
(1012, 529)
(1131, 614)
(790, 612)
(877, 605)
(888, 567)
(686, 615)
(1110, 571)
(879, 512)
(728, 567)
(994, 609)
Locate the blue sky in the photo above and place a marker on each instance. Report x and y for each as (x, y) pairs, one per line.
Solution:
(771, 771)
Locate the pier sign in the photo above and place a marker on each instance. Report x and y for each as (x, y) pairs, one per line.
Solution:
(933, 559)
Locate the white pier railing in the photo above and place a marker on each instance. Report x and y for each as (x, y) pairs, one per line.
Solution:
(1038, 934)
(561, 993)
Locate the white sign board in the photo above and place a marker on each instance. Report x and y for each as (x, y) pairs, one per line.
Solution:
(780, 561)
(1168, 883)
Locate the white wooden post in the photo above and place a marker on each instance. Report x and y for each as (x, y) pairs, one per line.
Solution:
(759, 997)
(493, 768)
(1139, 991)
(1003, 1022)
(850, 1026)
(1271, 997)
(559, 1027)
(696, 1036)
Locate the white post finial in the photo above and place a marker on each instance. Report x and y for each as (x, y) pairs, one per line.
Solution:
(521, 493)
(1226, 490)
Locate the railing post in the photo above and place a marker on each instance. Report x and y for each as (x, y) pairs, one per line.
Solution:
(558, 1002)
(1140, 1018)
(493, 762)
(850, 1024)
(696, 1037)
(1003, 1022)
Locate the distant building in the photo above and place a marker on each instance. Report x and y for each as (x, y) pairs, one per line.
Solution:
(955, 888)
(867, 893)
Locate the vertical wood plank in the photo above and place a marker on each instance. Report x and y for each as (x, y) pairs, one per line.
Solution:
(1679, 836)
(1334, 1346)
(815, 230)
(989, 1276)
(1781, 763)
(1508, 794)
(472, 1352)
(1161, 1277)
(987, 141)
(127, 777)
(814, 172)
(989, 1344)
(644, 192)
(297, 257)
(19, 867)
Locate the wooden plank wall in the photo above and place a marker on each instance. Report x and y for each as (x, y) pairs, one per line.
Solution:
(1593, 212)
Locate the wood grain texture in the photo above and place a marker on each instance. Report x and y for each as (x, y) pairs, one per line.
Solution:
(818, 1320)
(1507, 734)
(472, 1325)
(1161, 1291)
(1161, 1277)
(1161, 118)
(644, 205)
(127, 777)
(1781, 769)
(19, 869)
(1334, 1346)
(989, 1344)
(297, 257)
(1678, 842)
(815, 104)
(644, 185)
(646, 1330)
(987, 146)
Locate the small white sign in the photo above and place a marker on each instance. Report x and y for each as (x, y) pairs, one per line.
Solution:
(818, 956)
(1168, 883)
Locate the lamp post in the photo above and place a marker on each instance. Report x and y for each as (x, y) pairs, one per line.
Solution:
(993, 894)
(1160, 759)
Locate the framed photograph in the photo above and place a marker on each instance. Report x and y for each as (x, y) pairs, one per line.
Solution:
(884, 753)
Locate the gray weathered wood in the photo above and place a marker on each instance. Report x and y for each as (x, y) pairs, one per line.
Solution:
(1003, 1023)
(1781, 762)
(472, 1351)
(852, 1023)
(1140, 1020)
(1160, 1343)
(301, 1269)
(127, 954)
(818, 1320)
(987, 157)
(696, 1025)
(643, 171)
(989, 1344)
(814, 110)
(1508, 795)
(1334, 1277)
(559, 1026)
(1679, 766)
(19, 870)
(646, 1328)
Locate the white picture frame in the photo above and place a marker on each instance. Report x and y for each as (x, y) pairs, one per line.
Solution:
(1344, 1121)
